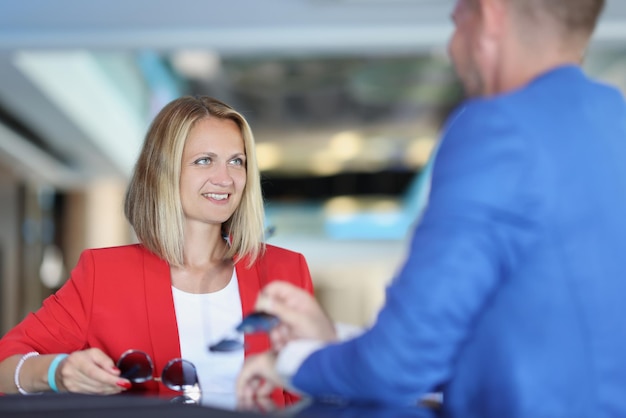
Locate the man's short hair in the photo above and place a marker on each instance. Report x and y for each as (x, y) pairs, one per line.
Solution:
(574, 16)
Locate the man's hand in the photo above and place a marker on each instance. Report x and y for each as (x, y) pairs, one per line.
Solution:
(300, 314)
(301, 317)
(258, 378)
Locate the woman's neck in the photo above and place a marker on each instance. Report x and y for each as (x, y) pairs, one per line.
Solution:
(205, 269)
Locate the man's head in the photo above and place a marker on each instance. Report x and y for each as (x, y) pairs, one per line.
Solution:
(494, 39)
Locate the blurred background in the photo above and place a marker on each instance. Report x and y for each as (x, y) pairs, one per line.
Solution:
(345, 97)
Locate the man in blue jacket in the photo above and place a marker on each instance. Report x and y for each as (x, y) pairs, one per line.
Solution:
(512, 299)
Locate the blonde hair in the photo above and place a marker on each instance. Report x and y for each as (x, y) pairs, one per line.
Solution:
(153, 204)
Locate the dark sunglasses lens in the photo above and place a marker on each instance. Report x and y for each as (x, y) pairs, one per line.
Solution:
(226, 345)
(179, 375)
(135, 366)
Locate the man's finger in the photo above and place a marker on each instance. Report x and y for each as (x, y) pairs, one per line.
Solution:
(255, 369)
(265, 389)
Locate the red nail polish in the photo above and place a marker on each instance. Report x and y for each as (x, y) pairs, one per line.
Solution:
(124, 384)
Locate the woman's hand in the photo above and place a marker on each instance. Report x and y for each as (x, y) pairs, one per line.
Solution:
(90, 371)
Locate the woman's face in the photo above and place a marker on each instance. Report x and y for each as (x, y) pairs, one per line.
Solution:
(213, 171)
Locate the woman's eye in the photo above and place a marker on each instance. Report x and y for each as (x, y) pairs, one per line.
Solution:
(202, 161)
(237, 161)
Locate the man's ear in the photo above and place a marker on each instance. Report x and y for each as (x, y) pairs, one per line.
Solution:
(490, 42)
(493, 17)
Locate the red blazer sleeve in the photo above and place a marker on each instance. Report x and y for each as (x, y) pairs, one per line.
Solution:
(115, 299)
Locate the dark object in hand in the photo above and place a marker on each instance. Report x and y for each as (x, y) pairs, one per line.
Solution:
(252, 323)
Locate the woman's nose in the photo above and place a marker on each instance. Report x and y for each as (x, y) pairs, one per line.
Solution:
(221, 176)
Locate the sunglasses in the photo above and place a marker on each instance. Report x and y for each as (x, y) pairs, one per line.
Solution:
(178, 374)
(252, 323)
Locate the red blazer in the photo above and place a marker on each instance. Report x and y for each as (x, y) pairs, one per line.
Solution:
(120, 298)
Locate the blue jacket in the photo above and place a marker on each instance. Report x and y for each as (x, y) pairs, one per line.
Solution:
(512, 299)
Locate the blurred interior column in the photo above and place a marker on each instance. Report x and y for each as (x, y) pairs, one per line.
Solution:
(9, 250)
(42, 233)
(94, 217)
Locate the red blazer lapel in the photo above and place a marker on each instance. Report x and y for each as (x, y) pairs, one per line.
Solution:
(249, 285)
(160, 308)
(250, 281)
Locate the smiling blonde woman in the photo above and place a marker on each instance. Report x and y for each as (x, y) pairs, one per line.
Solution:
(196, 206)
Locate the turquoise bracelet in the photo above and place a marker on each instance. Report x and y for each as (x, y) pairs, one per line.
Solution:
(52, 371)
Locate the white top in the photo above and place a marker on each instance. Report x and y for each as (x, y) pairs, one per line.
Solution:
(204, 319)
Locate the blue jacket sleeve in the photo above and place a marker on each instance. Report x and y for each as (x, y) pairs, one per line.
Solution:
(478, 212)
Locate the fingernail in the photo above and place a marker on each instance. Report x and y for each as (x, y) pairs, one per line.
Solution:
(124, 384)
(115, 369)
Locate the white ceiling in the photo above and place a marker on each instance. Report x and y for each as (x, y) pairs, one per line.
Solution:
(243, 26)
(61, 147)
(229, 27)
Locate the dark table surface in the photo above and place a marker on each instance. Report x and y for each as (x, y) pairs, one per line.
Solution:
(50, 405)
